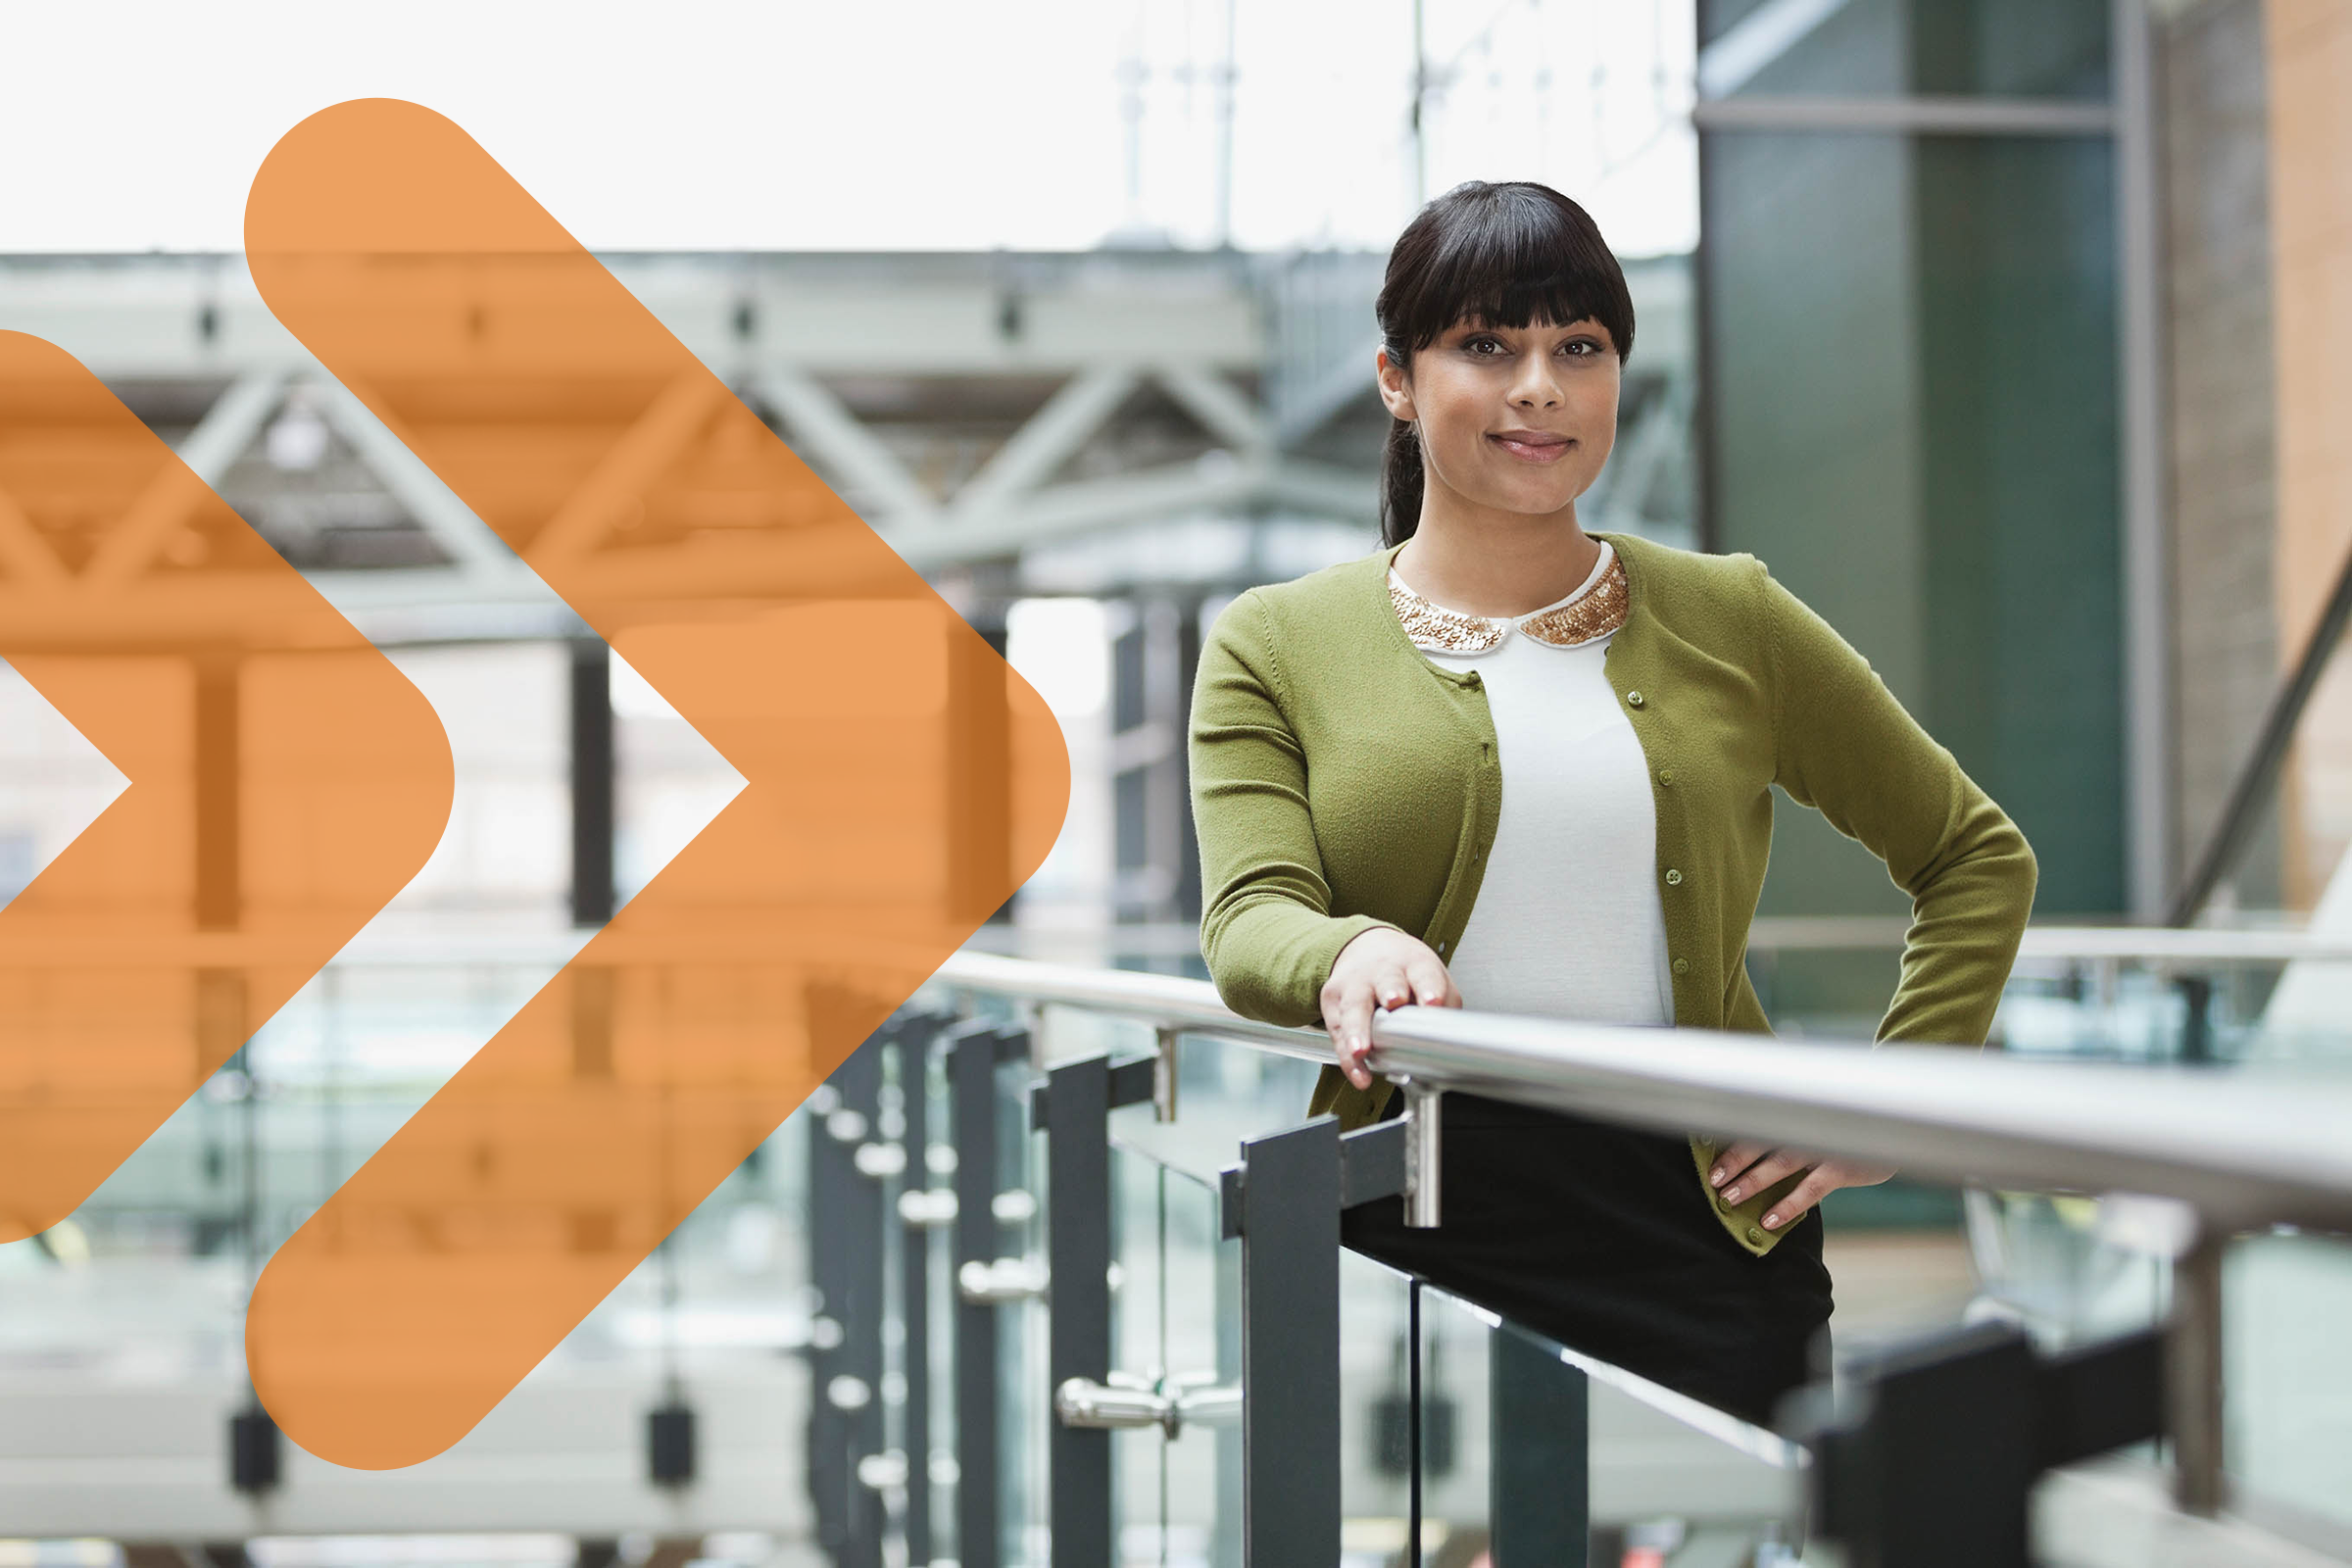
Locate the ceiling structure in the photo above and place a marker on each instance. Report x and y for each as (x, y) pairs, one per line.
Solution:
(1010, 424)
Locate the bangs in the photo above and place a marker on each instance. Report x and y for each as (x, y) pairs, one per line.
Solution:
(1508, 256)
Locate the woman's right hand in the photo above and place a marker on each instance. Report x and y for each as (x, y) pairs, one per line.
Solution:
(1380, 967)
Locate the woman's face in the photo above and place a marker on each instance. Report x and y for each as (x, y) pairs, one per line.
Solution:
(1519, 418)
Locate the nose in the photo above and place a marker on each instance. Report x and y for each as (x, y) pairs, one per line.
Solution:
(1536, 388)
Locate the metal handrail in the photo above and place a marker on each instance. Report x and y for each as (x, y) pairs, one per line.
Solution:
(1767, 934)
(1838, 933)
(2166, 945)
(2242, 1149)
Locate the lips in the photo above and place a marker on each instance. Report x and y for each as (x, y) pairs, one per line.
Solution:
(1533, 446)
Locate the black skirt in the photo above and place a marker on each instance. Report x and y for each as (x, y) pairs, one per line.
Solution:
(1601, 1237)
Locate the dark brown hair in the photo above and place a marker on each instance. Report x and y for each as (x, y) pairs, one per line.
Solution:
(1507, 255)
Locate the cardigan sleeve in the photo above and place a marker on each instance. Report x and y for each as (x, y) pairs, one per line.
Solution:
(1843, 745)
(1266, 928)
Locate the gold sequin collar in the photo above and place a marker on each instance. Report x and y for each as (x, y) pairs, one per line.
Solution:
(1582, 616)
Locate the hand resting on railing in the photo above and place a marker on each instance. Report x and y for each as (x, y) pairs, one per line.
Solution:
(1381, 967)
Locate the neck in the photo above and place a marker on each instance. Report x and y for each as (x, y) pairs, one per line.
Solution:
(1496, 562)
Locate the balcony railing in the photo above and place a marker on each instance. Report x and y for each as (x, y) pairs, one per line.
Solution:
(2179, 1157)
(1002, 1145)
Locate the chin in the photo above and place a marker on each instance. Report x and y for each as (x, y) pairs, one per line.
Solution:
(1546, 501)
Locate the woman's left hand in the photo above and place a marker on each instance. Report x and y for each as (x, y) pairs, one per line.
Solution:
(1747, 1168)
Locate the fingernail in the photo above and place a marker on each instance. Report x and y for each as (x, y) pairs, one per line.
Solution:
(1732, 1193)
(1715, 1177)
(1772, 1222)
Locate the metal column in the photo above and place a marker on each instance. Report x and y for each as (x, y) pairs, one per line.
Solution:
(979, 725)
(221, 1000)
(592, 768)
(2146, 525)
(1152, 667)
(2192, 1378)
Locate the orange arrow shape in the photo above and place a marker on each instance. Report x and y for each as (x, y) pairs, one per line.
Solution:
(900, 782)
(285, 781)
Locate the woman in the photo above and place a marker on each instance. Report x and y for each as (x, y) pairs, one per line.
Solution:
(1506, 764)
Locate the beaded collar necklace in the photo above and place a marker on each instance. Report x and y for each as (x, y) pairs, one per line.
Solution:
(1591, 611)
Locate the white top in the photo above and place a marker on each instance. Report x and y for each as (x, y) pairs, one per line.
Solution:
(1568, 923)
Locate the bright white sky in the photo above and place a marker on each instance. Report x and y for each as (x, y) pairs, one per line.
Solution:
(926, 124)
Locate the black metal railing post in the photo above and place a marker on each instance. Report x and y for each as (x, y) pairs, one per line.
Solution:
(974, 1053)
(1925, 1452)
(1284, 1201)
(914, 1225)
(1073, 1107)
(2196, 1016)
(1289, 1221)
(1539, 1472)
(1077, 1105)
(845, 1360)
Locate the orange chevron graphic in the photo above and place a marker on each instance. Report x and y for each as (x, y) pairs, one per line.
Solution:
(901, 784)
(208, 671)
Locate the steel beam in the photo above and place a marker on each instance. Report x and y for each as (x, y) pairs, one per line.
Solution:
(482, 556)
(172, 497)
(1923, 115)
(1217, 404)
(649, 448)
(1051, 438)
(1764, 34)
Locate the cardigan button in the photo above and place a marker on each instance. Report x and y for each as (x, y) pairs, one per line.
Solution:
(1682, 966)
(1673, 876)
(1634, 697)
(1755, 1237)
(1665, 775)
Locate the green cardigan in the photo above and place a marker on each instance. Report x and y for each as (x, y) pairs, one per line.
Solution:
(1341, 780)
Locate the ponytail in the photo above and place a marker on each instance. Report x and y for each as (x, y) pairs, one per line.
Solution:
(1400, 481)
